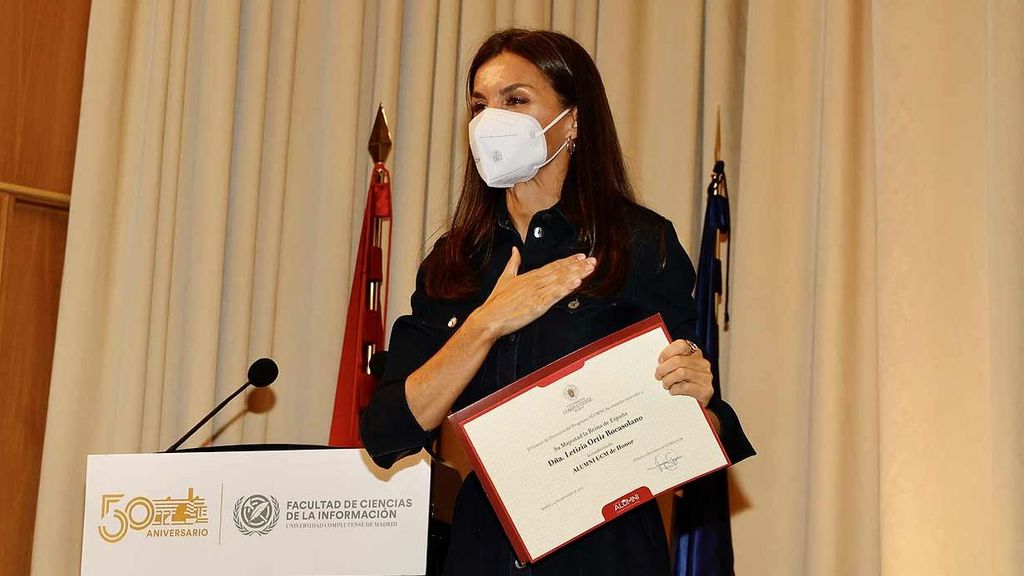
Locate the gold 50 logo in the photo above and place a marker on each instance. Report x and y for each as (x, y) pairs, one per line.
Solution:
(166, 518)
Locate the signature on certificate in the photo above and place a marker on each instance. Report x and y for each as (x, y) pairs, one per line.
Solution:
(665, 461)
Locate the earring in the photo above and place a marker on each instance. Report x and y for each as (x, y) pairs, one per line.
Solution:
(570, 144)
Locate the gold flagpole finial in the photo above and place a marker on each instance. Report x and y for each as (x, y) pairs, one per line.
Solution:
(380, 137)
(718, 134)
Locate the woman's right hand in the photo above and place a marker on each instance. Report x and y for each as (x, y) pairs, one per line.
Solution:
(518, 299)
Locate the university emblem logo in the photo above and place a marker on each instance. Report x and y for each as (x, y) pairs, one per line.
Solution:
(256, 514)
(570, 393)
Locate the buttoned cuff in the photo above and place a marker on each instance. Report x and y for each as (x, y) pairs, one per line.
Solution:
(388, 428)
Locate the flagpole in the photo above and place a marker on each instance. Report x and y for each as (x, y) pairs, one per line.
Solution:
(367, 310)
(704, 541)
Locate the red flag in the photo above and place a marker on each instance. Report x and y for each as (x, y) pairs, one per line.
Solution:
(364, 325)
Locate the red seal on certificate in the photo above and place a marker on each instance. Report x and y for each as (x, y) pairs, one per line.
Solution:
(627, 502)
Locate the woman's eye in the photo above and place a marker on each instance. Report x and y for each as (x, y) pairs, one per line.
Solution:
(516, 101)
(477, 107)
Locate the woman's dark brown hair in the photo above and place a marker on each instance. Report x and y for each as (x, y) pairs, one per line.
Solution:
(596, 192)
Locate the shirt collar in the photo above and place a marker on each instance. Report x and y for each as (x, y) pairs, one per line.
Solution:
(546, 217)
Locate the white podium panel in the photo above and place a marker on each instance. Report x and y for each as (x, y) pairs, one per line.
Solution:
(298, 512)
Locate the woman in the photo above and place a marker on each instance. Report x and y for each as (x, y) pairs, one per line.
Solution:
(510, 288)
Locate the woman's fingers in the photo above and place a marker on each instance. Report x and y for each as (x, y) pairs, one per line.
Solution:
(518, 299)
(680, 348)
(701, 392)
(512, 267)
(571, 275)
(575, 266)
(685, 375)
(683, 371)
(511, 271)
(556, 280)
(694, 364)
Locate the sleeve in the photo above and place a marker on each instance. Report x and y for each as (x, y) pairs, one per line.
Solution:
(387, 426)
(671, 290)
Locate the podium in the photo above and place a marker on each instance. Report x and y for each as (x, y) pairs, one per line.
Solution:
(329, 512)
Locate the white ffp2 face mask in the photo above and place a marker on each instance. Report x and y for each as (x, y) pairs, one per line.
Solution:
(509, 147)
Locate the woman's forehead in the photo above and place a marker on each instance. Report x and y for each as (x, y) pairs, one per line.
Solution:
(508, 69)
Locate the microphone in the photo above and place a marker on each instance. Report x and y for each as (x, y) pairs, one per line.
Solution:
(262, 373)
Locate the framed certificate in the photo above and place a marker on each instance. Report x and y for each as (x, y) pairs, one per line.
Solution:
(585, 440)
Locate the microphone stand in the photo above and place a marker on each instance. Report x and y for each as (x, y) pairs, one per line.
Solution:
(206, 419)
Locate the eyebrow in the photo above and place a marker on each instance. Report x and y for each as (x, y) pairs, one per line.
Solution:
(504, 91)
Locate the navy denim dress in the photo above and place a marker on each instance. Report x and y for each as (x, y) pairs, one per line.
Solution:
(660, 280)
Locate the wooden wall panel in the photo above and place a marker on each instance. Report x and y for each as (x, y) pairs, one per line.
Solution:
(42, 59)
(33, 259)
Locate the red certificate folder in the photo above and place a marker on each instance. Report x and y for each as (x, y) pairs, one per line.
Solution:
(541, 378)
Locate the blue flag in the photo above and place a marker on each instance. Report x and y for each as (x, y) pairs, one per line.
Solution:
(702, 513)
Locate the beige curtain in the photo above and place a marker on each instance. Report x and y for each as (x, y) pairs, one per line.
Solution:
(875, 154)
(876, 350)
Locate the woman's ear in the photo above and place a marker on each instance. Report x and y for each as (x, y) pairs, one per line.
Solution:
(573, 128)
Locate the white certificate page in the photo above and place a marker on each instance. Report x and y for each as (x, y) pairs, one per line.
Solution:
(595, 443)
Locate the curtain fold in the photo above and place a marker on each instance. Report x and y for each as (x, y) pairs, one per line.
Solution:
(1005, 169)
(876, 160)
(941, 371)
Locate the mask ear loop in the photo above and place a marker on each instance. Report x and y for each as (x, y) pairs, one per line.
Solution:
(555, 155)
(564, 144)
(555, 121)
